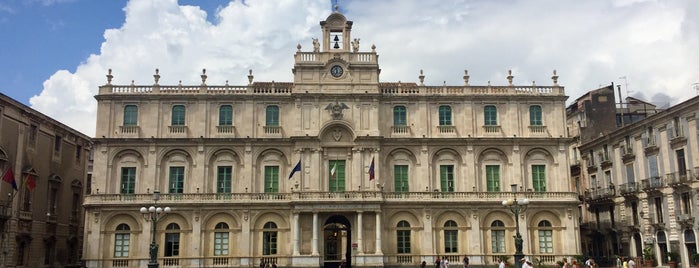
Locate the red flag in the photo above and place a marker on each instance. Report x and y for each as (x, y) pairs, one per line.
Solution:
(9, 177)
(371, 170)
(31, 182)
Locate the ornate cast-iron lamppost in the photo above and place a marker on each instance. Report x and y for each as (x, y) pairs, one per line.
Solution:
(517, 207)
(153, 214)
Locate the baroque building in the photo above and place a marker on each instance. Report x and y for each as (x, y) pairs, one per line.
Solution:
(44, 166)
(638, 180)
(334, 166)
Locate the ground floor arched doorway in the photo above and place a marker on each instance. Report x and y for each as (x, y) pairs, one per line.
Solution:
(337, 242)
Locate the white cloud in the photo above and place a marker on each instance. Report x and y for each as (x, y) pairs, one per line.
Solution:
(590, 43)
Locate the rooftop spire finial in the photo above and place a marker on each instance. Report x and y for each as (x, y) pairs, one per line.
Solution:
(336, 7)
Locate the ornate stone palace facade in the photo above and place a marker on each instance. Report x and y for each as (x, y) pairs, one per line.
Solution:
(388, 173)
(41, 220)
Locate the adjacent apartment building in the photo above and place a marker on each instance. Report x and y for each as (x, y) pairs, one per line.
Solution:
(332, 167)
(44, 167)
(639, 180)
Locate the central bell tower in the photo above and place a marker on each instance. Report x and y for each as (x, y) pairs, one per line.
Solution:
(335, 64)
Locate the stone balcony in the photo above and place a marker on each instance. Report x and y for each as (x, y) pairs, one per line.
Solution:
(349, 197)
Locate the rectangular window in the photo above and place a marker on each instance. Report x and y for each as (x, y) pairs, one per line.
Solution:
(223, 183)
(128, 180)
(272, 116)
(121, 245)
(445, 115)
(172, 244)
(630, 177)
(593, 182)
(451, 241)
(271, 179)
(686, 204)
(57, 144)
(681, 164)
(653, 167)
(491, 115)
(33, 130)
(658, 209)
(220, 244)
(403, 242)
(634, 210)
(400, 174)
(78, 153)
(225, 115)
(539, 178)
(336, 182)
(535, 118)
(269, 243)
(53, 200)
(492, 177)
(545, 241)
(498, 239)
(178, 115)
(399, 116)
(130, 115)
(176, 180)
(608, 177)
(446, 178)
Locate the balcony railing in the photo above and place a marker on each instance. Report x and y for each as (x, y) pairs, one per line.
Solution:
(677, 178)
(324, 197)
(178, 129)
(652, 183)
(447, 129)
(537, 129)
(402, 130)
(225, 129)
(630, 188)
(491, 129)
(131, 130)
(598, 194)
(273, 130)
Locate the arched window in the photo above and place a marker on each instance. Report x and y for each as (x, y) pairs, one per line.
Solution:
(272, 116)
(399, 116)
(451, 237)
(690, 241)
(497, 236)
(172, 240)
(545, 237)
(221, 239)
(130, 115)
(403, 237)
(491, 115)
(178, 115)
(122, 241)
(269, 239)
(535, 118)
(225, 115)
(445, 115)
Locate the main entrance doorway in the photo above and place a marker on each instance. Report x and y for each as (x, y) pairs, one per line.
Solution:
(337, 241)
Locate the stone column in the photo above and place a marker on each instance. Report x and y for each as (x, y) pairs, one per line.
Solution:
(314, 244)
(359, 233)
(296, 233)
(378, 233)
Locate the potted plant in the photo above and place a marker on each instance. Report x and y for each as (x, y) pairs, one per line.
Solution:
(648, 257)
(672, 258)
(695, 259)
(559, 264)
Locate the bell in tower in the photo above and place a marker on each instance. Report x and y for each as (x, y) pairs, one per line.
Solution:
(336, 32)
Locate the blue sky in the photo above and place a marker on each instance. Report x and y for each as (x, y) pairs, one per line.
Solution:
(55, 54)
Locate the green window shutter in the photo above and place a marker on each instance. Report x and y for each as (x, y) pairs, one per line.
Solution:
(178, 115)
(401, 178)
(491, 115)
(130, 115)
(336, 182)
(535, 117)
(445, 115)
(539, 178)
(272, 116)
(225, 115)
(399, 116)
(176, 180)
(128, 180)
(446, 178)
(492, 174)
(271, 179)
(223, 183)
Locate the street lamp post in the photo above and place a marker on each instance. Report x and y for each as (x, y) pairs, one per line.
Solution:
(517, 207)
(153, 214)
